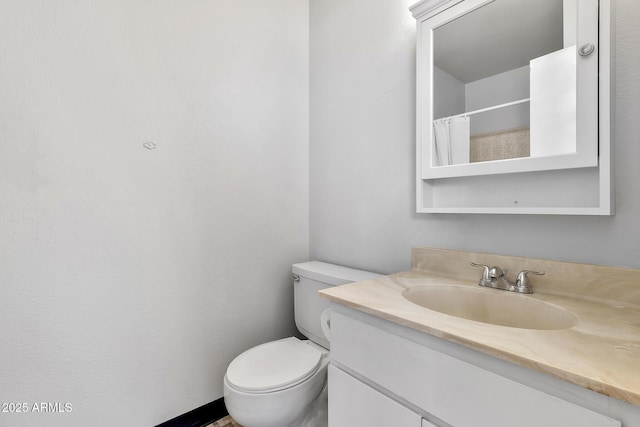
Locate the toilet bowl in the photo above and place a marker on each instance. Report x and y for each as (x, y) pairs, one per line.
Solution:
(283, 383)
(294, 375)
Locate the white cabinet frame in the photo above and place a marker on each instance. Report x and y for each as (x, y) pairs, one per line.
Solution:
(504, 188)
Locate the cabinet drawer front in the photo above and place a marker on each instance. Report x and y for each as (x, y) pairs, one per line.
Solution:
(457, 392)
(353, 403)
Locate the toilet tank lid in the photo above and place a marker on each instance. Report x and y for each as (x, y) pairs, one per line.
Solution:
(331, 274)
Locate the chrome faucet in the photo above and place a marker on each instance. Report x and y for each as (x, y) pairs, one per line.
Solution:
(496, 278)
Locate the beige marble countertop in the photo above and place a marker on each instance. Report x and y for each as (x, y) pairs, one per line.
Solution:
(601, 352)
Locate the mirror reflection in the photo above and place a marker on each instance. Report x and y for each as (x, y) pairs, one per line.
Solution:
(504, 82)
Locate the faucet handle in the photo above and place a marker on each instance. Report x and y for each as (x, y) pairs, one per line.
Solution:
(523, 284)
(485, 272)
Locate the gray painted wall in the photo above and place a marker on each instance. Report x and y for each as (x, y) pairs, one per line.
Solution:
(130, 278)
(362, 170)
(509, 86)
(449, 96)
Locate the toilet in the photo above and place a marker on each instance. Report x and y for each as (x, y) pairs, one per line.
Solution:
(283, 383)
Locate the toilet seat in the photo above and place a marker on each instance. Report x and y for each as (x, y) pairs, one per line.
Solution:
(274, 366)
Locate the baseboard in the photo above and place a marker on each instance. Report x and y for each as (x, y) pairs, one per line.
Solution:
(199, 417)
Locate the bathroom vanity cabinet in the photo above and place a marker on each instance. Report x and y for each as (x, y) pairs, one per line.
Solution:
(354, 403)
(382, 373)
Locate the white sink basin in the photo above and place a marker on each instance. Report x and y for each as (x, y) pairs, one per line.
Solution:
(491, 306)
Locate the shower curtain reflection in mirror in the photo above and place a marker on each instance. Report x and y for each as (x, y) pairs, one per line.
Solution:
(451, 136)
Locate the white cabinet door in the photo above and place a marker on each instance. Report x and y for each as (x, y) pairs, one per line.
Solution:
(355, 404)
(456, 392)
(426, 423)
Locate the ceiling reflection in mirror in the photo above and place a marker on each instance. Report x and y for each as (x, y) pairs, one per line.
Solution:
(504, 82)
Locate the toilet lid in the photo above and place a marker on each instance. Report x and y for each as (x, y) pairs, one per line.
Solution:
(274, 366)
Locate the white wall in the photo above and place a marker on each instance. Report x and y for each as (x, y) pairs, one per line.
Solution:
(129, 278)
(448, 96)
(512, 85)
(362, 153)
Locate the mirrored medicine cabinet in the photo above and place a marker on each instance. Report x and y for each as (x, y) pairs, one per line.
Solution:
(513, 106)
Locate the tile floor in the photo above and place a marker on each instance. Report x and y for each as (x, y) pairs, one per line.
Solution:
(225, 422)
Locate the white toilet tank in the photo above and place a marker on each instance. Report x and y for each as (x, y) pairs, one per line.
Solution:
(309, 278)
